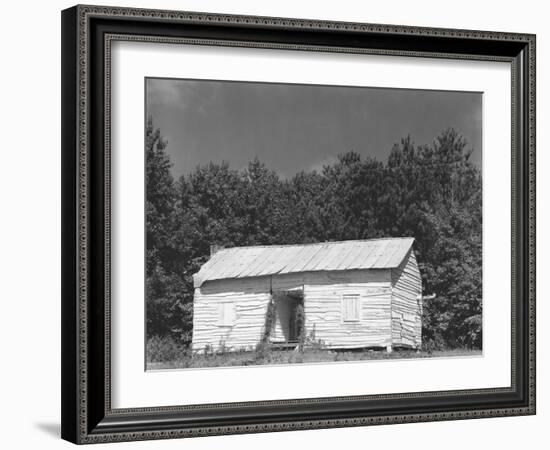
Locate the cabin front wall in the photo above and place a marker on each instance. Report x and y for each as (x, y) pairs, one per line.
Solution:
(389, 311)
(240, 323)
(407, 303)
(324, 294)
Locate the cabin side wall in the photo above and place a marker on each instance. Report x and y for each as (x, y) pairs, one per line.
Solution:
(323, 297)
(249, 298)
(407, 303)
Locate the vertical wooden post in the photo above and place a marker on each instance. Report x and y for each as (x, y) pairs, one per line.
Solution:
(388, 348)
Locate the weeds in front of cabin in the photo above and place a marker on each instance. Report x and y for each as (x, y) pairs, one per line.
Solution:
(164, 354)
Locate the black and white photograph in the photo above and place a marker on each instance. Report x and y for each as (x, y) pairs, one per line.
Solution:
(275, 225)
(295, 223)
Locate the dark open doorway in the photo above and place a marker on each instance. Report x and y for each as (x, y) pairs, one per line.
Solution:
(289, 317)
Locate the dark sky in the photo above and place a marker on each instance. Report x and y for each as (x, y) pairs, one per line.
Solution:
(300, 127)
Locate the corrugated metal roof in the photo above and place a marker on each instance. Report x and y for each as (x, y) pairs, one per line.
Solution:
(243, 262)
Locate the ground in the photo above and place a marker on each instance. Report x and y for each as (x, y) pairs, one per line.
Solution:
(247, 358)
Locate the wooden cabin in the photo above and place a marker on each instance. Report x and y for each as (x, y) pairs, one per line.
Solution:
(341, 295)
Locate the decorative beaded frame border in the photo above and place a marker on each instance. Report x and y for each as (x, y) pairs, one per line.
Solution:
(84, 14)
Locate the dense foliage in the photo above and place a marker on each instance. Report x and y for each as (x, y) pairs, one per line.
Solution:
(431, 192)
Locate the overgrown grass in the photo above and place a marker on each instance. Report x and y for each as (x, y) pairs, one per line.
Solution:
(267, 355)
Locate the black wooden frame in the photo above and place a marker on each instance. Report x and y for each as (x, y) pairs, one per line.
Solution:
(87, 32)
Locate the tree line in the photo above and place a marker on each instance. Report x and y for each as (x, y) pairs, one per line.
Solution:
(430, 192)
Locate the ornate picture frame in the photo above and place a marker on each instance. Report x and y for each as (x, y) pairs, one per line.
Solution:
(88, 33)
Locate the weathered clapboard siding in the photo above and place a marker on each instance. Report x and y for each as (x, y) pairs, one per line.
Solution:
(323, 292)
(355, 294)
(288, 282)
(250, 298)
(406, 303)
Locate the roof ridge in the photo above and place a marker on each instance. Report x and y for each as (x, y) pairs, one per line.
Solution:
(316, 243)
